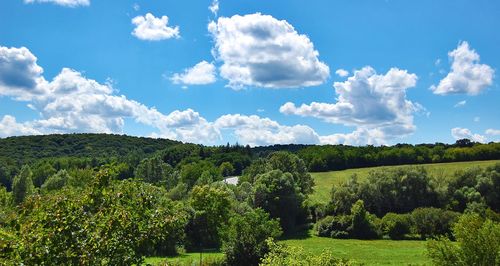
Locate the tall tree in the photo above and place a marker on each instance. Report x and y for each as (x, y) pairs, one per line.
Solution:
(22, 186)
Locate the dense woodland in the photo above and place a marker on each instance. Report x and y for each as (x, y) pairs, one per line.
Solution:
(87, 199)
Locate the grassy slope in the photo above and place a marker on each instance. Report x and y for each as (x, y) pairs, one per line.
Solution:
(368, 252)
(325, 180)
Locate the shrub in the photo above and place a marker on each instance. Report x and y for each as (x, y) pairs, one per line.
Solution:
(396, 226)
(477, 243)
(431, 222)
(334, 226)
(362, 224)
(245, 239)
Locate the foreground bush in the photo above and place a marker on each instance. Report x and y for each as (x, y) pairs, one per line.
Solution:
(477, 243)
(110, 223)
(432, 222)
(245, 239)
(282, 255)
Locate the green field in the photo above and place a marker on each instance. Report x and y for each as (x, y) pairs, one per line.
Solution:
(185, 258)
(367, 252)
(325, 180)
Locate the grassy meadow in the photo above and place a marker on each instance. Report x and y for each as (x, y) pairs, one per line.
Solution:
(325, 180)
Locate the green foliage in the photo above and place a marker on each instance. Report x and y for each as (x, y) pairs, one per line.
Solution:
(396, 226)
(282, 255)
(290, 163)
(226, 169)
(56, 181)
(477, 243)
(432, 222)
(211, 208)
(334, 226)
(113, 223)
(22, 186)
(191, 172)
(153, 170)
(245, 238)
(362, 224)
(42, 171)
(277, 194)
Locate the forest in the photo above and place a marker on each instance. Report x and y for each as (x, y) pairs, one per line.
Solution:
(97, 199)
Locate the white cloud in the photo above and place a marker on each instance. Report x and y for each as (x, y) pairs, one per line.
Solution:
(66, 3)
(492, 132)
(375, 104)
(342, 72)
(136, 7)
(465, 133)
(150, 28)
(460, 104)
(361, 136)
(201, 73)
(259, 50)
(10, 127)
(257, 131)
(467, 75)
(214, 7)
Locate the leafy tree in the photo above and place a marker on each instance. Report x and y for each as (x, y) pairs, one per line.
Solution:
(339, 226)
(191, 172)
(291, 163)
(153, 170)
(245, 239)
(56, 182)
(396, 226)
(41, 172)
(109, 223)
(477, 243)
(5, 176)
(277, 194)
(362, 225)
(22, 186)
(432, 222)
(226, 169)
(211, 207)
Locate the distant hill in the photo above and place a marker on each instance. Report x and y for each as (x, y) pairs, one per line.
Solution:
(28, 148)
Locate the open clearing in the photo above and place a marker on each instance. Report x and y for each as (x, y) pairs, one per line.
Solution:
(325, 180)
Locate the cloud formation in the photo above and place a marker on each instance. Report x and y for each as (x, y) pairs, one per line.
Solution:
(214, 7)
(342, 73)
(65, 3)
(467, 75)
(200, 74)
(259, 50)
(151, 28)
(375, 104)
(465, 133)
(460, 104)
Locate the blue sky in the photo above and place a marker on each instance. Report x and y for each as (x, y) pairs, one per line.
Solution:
(256, 72)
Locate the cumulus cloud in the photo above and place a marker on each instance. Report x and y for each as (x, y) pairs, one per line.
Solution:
(257, 131)
(467, 75)
(342, 73)
(66, 3)
(201, 73)
(151, 28)
(259, 50)
(10, 127)
(375, 104)
(465, 133)
(214, 7)
(492, 132)
(460, 104)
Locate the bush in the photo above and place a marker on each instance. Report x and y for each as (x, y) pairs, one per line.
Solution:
(245, 239)
(362, 223)
(396, 226)
(432, 222)
(477, 243)
(334, 226)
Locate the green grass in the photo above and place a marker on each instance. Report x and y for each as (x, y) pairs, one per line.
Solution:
(185, 258)
(325, 180)
(367, 252)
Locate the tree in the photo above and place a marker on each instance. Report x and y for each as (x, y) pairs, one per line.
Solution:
(477, 243)
(211, 208)
(155, 171)
(226, 169)
(396, 226)
(433, 222)
(41, 172)
(277, 194)
(56, 182)
(362, 226)
(291, 163)
(22, 186)
(245, 239)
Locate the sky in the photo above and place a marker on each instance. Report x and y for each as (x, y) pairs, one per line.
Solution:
(256, 72)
